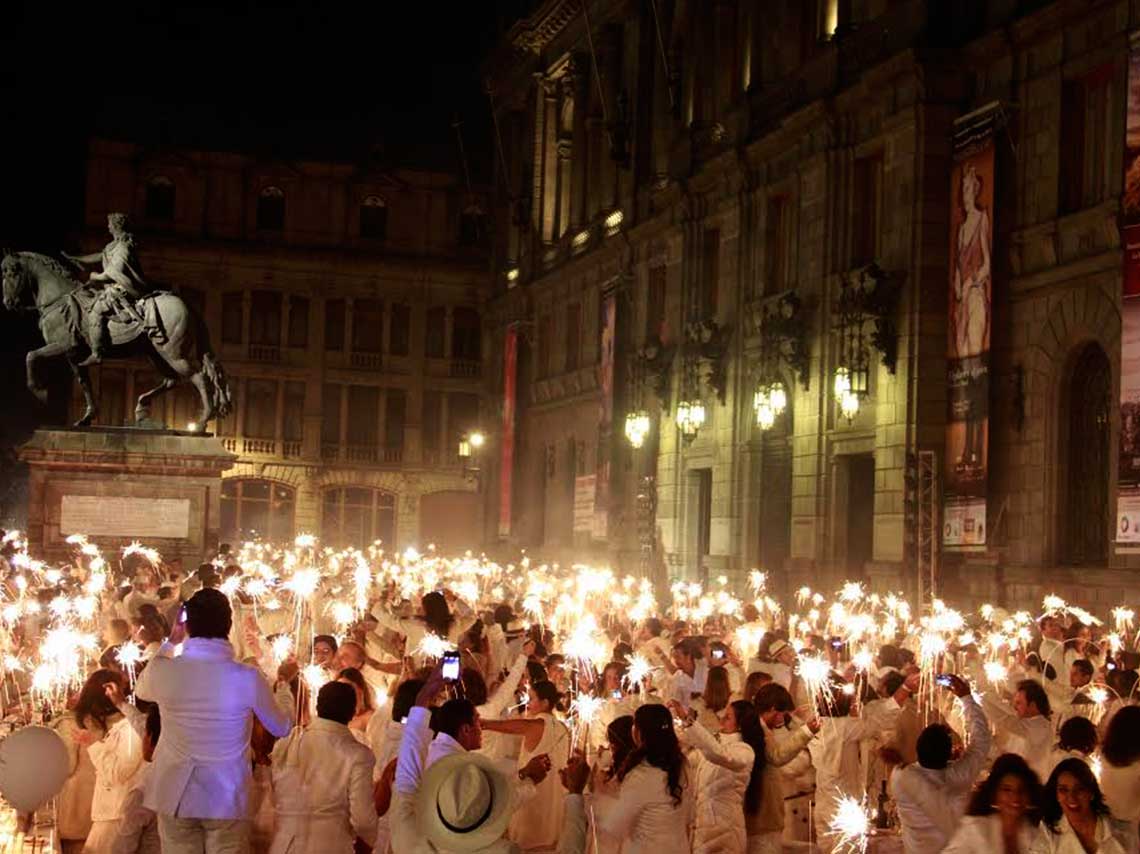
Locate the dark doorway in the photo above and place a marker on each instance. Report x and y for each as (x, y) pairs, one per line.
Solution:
(1084, 481)
(700, 509)
(776, 506)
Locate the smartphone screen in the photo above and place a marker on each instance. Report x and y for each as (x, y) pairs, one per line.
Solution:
(718, 653)
(451, 666)
(182, 615)
(616, 695)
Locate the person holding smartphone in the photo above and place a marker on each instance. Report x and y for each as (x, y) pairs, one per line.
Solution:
(931, 794)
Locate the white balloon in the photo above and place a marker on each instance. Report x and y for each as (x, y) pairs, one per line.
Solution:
(33, 767)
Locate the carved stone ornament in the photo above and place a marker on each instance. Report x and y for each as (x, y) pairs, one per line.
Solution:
(870, 294)
(709, 341)
(657, 364)
(782, 324)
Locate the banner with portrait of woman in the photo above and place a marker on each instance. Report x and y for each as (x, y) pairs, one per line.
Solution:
(968, 345)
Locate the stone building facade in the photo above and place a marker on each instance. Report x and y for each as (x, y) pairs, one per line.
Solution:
(345, 301)
(730, 173)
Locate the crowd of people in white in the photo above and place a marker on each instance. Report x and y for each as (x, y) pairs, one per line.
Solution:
(214, 747)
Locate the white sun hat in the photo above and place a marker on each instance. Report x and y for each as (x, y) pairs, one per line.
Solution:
(464, 803)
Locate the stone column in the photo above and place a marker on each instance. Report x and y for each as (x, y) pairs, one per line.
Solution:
(579, 73)
(539, 145)
(549, 199)
(286, 307)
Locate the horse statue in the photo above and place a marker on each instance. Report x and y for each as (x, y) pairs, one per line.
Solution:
(174, 338)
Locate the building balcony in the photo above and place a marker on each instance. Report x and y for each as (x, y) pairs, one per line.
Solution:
(369, 455)
(454, 368)
(248, 446)
(366, 361)
(264, 353)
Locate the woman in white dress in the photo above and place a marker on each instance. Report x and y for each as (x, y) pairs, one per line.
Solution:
(1003, 811)
(537, 826)
(1075, 818)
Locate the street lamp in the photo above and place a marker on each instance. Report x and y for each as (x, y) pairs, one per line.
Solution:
(637, 427)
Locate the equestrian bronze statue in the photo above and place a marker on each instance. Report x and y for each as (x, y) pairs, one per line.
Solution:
(114, 315)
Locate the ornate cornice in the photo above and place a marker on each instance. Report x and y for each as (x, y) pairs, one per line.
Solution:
(536, 31)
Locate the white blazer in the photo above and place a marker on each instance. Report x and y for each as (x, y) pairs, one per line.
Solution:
(208, 700)
(644, 816)
(117, 759)
(322, 791)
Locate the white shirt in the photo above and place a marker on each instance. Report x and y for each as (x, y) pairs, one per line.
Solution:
(322, 790)
(1112, 837)
(1121, 788)
(207, 700)
(931, 801)
(1030, 738)
(982, 833)
(137, 831)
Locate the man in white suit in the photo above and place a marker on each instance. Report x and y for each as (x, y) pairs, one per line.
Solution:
(322, 781)
(199, 784)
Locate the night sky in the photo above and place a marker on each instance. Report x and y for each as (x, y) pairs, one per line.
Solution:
(319, 79)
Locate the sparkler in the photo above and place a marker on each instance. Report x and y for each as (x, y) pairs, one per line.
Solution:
(850, 826)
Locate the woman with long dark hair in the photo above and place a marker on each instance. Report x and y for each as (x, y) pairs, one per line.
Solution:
(728, 778)
(1120, 773)
(365, 708)
(654, 803)
(435, 619)
(714, 698)
(1075, 817)
(604, 786)
(1003, 811)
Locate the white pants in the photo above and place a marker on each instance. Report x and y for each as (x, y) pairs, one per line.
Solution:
(203, 835)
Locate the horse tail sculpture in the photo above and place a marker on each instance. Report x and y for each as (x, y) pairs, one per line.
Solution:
(215, 374)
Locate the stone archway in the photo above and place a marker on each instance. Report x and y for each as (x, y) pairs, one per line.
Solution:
(1079, 317)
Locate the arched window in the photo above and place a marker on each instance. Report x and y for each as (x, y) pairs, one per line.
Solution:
(1084, 484)
(373, 218)
(256, 507)
(356, 516)
(271, 209)
(160, 198)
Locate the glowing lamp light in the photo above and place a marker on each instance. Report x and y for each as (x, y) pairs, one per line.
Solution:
(778, 397)
(690, 417)
(192, 427)
(842, 382)
(849, 405)
(613, 221)
(476, 440)
(581, 239)
(637, 427)
(513, 275)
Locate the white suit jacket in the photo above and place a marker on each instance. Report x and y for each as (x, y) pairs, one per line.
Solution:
(322, 791)
(207, 700)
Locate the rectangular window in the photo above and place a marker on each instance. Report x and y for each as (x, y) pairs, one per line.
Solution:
(363, 415)
(710, 273)
(334, 324)
(261, 409)
(435, 332)
(545, 332)
(400, 333)
(395, 407)
(777, 235)
(265, 319)
(299, 322)
(463, 417)
(330, 414)
(466, 334)
(866, 209)
(655, 304)
(573, 335)
(233, 309)
(431, 423)
(1087, 120)
(367, 326)
(294, 426)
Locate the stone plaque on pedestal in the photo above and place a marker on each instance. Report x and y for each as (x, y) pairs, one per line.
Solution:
(119, 484)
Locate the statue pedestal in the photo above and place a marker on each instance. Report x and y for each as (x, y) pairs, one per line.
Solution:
(119, 484)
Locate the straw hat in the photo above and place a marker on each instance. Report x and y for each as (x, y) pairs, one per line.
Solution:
(464, 802)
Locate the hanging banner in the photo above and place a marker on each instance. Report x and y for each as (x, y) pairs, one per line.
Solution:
(1128, 477)
(605, 427)
(968, 347)
(507, 445)
(584, 487)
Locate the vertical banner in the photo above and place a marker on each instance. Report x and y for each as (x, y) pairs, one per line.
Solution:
(605, 426)
(1128, 477)
(507, 445)
(968, 350)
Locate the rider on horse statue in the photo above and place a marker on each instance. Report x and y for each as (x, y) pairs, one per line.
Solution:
(122, 283)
